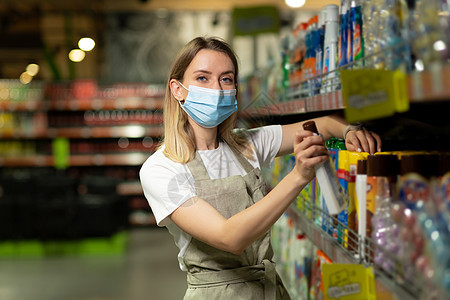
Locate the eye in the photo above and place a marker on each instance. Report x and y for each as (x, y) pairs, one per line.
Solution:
(201, 78)
(227, 80)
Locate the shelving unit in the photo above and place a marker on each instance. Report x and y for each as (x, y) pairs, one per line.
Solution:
(390, 284)
(423, 87)
(427, 87)
(109, 132)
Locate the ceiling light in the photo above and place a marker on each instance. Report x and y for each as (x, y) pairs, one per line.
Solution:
(25, 78)
(295, 3)
(76, 55)
(32, 69)
(86, 44)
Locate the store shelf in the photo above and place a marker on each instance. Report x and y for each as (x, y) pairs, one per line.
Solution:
(430, 85)
(426, 86)
(131, 131)
(27, 161)
(109, 131)
(25, 105)
(129, 188)
(323, 241)
(107, 104)
(389, 284)
(126, 159)
(129, 103)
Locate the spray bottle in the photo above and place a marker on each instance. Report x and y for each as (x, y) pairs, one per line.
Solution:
(330, 48)
(326, 176)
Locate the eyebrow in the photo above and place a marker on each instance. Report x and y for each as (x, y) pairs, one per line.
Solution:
(208, 72)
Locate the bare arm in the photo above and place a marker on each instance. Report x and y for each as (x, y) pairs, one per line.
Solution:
(205, 223)
(333, 126)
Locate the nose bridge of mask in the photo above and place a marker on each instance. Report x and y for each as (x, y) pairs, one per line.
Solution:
(194, 88)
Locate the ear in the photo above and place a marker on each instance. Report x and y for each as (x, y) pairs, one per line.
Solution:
(177, 90)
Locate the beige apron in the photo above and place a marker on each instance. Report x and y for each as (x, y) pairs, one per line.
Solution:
(216, 274)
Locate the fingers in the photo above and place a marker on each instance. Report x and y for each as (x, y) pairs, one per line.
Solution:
(363, 140)
(310, 149)
(300, 135)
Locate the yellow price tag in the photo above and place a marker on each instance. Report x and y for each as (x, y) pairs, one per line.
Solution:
(372, 94)
(348, 282)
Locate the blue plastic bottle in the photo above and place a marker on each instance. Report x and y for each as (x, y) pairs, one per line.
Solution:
(343, 33)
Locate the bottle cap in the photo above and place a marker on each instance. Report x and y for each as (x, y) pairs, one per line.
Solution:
(385, 165)
(426, 165)
(361, 167)
(322, 16)
(332, 13)
(311, 126)
(344, 7)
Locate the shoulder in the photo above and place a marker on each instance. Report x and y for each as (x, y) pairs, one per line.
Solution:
(158, 164)
(258, 132)
(264, 134)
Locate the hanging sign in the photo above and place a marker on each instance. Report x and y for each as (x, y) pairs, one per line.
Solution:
(372, 94)
(255, 20)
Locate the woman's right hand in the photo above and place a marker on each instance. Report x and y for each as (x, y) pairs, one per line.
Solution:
(309, 150)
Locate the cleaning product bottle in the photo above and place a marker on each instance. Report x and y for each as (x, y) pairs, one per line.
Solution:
(319, 49)
(361, 191)
(326, 176)
(343, 33)
(330, 48)
(357, 31)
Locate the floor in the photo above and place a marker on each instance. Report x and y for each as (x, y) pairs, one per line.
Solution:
(149, 270)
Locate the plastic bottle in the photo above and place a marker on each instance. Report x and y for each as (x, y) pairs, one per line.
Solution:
(361, 191)
(319, 49)
(382, 173)
(330, 48)
(416, 170)
(342, 176)
(326, 176)
(343, 33)
(350, 34)
(353, 209)
(357, 31)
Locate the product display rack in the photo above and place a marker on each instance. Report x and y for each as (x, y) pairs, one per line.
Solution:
(428, 87)
(423, 87)
(108, 131)
(314, 223)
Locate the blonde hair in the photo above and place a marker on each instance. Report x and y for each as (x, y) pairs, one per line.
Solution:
(179, 139)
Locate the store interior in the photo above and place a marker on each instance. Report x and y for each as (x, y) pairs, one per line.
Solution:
(82, 86)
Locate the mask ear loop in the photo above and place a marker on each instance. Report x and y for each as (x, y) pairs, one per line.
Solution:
(181, 102)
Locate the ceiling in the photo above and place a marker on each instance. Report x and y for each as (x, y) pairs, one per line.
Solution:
(208, 4)
(127, 5)
(21, 29)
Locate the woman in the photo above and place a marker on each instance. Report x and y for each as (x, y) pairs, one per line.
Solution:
(205, 182)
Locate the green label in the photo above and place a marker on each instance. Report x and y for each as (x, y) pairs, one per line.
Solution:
(61, 153)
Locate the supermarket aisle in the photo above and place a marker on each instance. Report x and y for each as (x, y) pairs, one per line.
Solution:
(149, 270)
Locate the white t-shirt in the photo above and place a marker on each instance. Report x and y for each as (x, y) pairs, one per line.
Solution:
(167, 184)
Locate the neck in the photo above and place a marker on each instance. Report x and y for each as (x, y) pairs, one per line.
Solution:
(205, 138)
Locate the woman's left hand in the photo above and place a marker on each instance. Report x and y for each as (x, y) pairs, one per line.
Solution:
(363, 140)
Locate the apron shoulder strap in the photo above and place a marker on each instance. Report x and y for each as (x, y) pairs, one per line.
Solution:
(242, 160)
(197, 168)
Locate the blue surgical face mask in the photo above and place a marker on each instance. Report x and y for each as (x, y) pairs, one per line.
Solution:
(209, 107)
